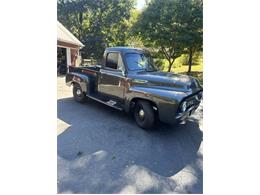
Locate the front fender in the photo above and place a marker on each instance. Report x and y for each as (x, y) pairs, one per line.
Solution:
(167, 101)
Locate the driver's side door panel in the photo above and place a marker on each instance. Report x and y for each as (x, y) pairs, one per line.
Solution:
(111, 81)
(112, 84)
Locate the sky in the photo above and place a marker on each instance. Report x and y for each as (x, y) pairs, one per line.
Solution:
(140, 4)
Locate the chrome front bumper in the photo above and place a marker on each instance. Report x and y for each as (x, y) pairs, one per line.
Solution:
(184, 115)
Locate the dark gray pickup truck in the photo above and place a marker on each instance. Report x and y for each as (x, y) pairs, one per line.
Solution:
(128, 81)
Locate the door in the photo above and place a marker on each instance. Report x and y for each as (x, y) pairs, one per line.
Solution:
(111, 80)
(61, 60)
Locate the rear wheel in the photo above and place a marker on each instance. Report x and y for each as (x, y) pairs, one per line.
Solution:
(78, 94)
(144, 114)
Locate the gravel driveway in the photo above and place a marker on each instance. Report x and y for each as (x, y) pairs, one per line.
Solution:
(101, 150)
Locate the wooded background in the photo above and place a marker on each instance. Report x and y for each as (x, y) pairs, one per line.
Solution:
(171, 30)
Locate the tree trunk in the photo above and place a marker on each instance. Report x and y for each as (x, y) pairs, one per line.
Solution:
(190, 59)
(80, 18)
(168, 57)
(170, 65)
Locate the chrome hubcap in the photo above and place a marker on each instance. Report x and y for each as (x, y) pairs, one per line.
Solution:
(78, 92)
(141, 113)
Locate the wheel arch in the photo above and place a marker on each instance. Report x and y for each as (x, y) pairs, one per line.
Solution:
(135, 99)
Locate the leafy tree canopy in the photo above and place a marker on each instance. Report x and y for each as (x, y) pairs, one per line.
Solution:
(167, 28)
(98, 24)
(166, 25)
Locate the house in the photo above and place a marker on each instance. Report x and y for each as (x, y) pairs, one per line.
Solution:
(68, 47)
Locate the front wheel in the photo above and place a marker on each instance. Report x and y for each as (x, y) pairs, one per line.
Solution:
(144, 114)
(78, 94)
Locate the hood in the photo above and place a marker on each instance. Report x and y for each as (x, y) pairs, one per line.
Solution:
(166, 80)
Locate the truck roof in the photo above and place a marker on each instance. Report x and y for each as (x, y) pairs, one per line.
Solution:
(124, 49)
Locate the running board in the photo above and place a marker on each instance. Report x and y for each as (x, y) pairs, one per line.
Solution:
(110, 103)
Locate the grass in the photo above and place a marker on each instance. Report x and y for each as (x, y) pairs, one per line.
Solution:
(184, 68)
(196, 71)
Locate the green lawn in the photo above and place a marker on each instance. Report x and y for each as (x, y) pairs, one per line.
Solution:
(184, 68)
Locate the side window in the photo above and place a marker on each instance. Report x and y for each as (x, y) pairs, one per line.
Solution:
(112, 60)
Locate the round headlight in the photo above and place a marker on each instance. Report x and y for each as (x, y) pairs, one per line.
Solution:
(183, 106)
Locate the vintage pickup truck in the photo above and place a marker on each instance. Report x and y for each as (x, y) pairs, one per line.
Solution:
(128, 81)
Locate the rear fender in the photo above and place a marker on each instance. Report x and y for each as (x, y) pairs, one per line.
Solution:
(82, 80)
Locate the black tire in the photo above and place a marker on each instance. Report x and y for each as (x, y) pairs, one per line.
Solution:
(144, 114)
(78, 94)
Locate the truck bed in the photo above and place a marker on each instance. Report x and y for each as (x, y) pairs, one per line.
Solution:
(92, 72)
(80, 69)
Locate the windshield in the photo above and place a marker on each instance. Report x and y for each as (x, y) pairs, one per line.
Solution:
(139, 61)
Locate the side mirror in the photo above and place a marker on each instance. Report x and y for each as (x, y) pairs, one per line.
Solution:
(124, 73)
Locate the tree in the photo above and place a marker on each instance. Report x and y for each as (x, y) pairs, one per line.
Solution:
(98, 24)
(108, 25)
(73, 14)
(194, 30)
(162, 25)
